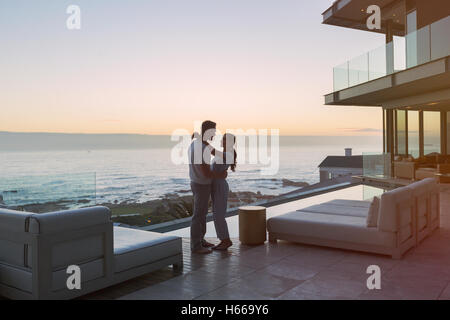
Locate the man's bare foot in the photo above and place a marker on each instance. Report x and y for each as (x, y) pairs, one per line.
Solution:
(202, 250)
(207, 244)
(223, 245)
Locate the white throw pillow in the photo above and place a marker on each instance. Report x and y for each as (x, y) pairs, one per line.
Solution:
(372, 217)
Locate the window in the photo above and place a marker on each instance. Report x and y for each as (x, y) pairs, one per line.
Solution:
(413, 134)
(448, 132)
(432, 132)
(401, 132)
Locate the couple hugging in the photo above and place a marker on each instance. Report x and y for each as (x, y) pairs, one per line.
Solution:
(208, 180)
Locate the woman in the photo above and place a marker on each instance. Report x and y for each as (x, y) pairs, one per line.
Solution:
(222, 162)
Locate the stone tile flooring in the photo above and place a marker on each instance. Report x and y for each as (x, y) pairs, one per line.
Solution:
(294, 271)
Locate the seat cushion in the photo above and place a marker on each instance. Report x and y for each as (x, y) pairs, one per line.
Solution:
(372, 217)
(434, 191)
(89, 271)
(424, 173)
(15, 221)
(421, 223)
(16, 277)
(330, 227)
(21, 278)
(133, 248)
(332, 209)
(53, 222)
(75, 251)
(420, 193)
(395, 208)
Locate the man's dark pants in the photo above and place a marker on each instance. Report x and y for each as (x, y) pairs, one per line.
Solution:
(202, 194)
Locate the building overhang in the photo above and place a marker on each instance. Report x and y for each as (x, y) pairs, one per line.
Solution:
(353, 14)
(427, 84)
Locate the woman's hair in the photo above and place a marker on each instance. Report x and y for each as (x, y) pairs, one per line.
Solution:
(228, 137)
(233, 166)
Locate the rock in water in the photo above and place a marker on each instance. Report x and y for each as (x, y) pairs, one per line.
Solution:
(290, 183)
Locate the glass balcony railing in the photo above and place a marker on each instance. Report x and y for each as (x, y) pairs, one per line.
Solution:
(376, 164)
(427, 44)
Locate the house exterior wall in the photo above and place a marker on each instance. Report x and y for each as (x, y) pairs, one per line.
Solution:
(327, 173)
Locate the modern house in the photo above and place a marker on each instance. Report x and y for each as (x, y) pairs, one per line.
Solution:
(341, 166)
(408, 78)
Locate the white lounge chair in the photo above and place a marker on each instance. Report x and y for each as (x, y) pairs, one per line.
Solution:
(36, 250)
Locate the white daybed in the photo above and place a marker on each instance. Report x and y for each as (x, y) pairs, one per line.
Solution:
(406, 215)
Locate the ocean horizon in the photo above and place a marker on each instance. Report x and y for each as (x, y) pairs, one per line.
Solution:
(49, 141)
(110, 168)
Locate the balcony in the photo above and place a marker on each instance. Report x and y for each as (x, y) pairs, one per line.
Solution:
(295, 271)
(392, 65)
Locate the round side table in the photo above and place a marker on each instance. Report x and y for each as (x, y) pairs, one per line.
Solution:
(252, 225)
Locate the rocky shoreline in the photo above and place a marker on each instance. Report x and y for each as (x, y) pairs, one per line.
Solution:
(171, 207)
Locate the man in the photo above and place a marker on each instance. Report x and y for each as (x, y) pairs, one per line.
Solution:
(201, 178)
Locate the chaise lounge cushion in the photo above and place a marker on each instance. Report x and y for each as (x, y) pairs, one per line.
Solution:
(332, 209)
(350, 203)
(332, 228)
(133, 248)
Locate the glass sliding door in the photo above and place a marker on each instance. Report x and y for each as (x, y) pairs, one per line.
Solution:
(448, 132)
(385, 136)
(432, 132)
(413, 134)
(401, 132)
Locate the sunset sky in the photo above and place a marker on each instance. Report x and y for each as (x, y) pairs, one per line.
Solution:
(153, 66)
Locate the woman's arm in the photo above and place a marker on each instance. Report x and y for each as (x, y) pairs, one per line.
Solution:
(214, 151)
(222, 163)
(213, 174)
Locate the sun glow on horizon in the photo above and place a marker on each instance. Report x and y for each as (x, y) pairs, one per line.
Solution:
(160, 67)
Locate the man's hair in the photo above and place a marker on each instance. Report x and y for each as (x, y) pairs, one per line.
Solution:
(206, 125)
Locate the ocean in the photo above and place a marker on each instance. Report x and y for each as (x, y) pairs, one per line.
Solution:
(86, 171)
